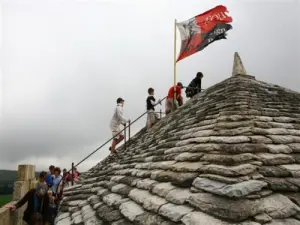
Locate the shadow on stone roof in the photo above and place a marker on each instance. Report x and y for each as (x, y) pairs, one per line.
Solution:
(231, 155)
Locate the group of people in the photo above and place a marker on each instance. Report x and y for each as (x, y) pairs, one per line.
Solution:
(67, 176)
(173, 101)
(42, 201)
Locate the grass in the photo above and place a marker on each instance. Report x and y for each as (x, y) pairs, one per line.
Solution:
(4, 199)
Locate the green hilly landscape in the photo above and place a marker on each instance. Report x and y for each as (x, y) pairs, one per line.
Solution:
(4, 199)
(7, 179)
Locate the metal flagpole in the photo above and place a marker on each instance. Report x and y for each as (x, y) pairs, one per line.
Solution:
(175, 61)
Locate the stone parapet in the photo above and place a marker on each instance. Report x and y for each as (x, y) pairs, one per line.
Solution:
(6, 216)
(25, 181)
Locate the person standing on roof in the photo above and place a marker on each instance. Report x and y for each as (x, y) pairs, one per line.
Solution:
(171, 104)
(195, 86)
(115, 123)
(151, 103)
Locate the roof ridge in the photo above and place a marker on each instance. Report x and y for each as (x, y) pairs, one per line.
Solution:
(229, 156)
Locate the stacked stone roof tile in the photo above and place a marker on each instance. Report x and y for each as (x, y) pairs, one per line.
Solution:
(230, 155)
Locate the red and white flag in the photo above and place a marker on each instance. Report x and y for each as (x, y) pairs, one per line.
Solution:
(202, 30)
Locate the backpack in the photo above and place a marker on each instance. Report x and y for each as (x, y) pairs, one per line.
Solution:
(37, 217)
(51, 214)
(189, 92)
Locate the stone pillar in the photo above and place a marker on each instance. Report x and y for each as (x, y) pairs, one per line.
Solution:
(238, 67)
(25, 181)
(26, 173)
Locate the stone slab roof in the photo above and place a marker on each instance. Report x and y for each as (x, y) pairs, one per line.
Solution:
(231, 155)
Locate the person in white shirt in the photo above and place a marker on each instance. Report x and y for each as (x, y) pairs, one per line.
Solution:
(115, 123)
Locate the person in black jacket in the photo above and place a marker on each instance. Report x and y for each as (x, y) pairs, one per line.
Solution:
(195, 86)
(37, 207)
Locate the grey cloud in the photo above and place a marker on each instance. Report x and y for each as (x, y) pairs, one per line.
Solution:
(63, 64)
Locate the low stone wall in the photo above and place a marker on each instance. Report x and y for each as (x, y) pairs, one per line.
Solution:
(6, 216)
(25, 181)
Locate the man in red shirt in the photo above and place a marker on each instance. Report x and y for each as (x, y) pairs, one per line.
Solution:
(171, 104)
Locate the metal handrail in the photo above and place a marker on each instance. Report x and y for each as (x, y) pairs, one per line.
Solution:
(125, 127)
(125, 137)
(72, 174)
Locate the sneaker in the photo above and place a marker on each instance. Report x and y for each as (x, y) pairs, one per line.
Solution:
(114, 154)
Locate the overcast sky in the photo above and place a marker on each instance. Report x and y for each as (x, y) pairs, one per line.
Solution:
(64, 64)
